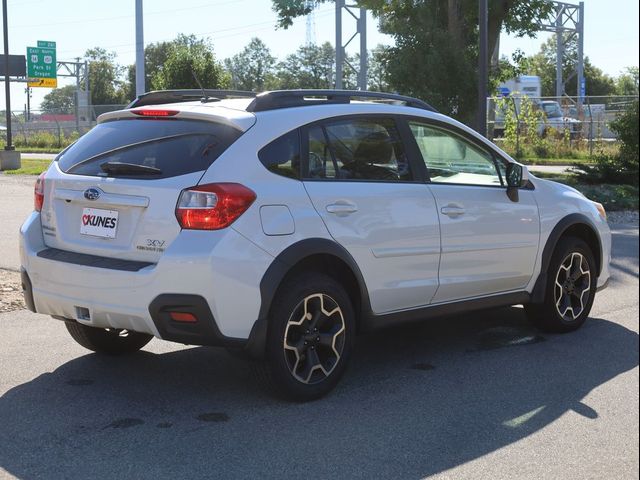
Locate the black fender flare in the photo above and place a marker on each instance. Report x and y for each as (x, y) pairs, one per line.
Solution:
(537, 295)
(277, 271)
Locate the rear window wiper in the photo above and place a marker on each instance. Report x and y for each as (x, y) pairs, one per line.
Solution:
(129, 168)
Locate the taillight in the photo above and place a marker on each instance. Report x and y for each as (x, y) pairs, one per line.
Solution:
(38, 193)
(213, 206)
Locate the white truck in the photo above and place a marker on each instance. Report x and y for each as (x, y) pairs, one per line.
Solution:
(523, 85)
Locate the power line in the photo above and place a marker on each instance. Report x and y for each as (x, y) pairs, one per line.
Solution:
(121, 17)
(269, 25)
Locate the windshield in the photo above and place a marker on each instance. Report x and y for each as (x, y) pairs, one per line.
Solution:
(165, 147)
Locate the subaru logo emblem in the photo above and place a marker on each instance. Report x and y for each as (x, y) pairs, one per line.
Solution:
(91, 193)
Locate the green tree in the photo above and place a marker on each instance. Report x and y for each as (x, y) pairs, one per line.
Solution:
(251, 68)
(377, 73)
(311, 66)
(436, 43)
(59, 100)
(188, 56)
(627, 83)
(155, 56)
(104, 77)
(543, 64)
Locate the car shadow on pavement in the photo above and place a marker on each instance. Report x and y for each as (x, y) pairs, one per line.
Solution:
(416, 401)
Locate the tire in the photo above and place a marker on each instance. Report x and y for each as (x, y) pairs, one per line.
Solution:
(570, 288)
(108, 341)
(305, 358)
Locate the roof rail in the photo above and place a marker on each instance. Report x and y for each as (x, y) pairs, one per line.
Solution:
(159, 97)
(298, 98)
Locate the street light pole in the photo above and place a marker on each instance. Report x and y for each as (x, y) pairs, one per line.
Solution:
(140, 88)
(7, 81)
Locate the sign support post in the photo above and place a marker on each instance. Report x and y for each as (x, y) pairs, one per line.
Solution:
(9, 158)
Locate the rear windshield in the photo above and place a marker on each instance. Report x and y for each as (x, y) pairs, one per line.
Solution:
(147, 148)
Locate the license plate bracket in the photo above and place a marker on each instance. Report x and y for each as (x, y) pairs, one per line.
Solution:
(97, 222)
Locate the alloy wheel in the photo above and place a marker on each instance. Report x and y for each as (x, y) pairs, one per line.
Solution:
(572, 287)
(314, 338)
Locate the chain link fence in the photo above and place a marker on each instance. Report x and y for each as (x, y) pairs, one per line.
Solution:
(514, 122)
(520, 121)
(52, 130)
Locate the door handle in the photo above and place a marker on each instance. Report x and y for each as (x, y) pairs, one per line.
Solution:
(342, 208)
(452, 211)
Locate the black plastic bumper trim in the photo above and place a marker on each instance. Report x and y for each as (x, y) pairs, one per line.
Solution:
(27, 290)
(92, 260)
(203, 332)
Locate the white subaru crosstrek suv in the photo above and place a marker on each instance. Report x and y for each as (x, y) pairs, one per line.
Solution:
(285, 223)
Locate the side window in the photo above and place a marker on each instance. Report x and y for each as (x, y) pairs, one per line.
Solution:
(357, 149)
(452, 159)
(282, 156)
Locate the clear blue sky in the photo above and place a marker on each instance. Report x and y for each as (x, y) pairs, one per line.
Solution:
(611, 29)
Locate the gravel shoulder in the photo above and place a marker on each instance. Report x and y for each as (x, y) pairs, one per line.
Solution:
(10, 291)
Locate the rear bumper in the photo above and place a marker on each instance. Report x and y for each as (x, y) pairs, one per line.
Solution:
(221, 268)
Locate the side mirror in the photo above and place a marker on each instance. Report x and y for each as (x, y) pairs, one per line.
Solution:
(517, 177)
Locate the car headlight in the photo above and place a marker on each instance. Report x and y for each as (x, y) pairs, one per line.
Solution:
(601, 211)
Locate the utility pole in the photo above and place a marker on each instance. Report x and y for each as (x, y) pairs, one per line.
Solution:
(559, 51)
(7, 77)
(77, 102)
(362, 28)
(483, 70)
(566, 21)
(580, 67)
(339, 48)
(360, 16)
(140, 87)
(28, 113)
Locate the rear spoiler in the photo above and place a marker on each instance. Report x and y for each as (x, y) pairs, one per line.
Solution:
(162, 97)
(238, 119)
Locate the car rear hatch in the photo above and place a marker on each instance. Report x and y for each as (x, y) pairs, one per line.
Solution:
(113, 193)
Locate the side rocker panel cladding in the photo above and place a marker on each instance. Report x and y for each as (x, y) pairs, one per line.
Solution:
(562, 226)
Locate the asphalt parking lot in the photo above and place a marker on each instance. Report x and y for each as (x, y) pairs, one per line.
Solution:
(473, 396)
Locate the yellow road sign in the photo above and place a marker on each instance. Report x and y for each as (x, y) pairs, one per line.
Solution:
(43, 82)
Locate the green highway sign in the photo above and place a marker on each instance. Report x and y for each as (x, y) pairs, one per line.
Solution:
(45, 44)
(41, 65)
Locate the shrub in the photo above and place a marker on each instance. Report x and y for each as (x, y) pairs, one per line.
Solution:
(622, 167)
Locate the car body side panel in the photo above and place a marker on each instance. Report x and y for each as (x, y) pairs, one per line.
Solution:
(393, 235)
(557, 201)
(491, 247)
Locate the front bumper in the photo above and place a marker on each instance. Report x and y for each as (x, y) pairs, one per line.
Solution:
(222, 268)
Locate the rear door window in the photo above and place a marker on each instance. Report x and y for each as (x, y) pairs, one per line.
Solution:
(357, 149)
(147, 148)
